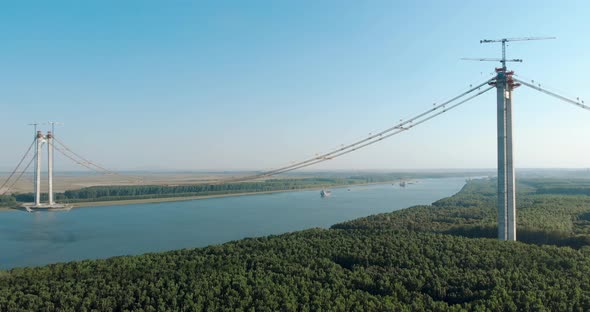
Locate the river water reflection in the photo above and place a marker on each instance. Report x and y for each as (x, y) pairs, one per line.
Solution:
(30, 239)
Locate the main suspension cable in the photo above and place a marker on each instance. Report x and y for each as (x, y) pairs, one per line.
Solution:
(17, 166)
(357, 145)
(86, 161)
(83, 164)
(21, 174)
(371, 139)
(90, 165)
(563, 98)
(405, 128)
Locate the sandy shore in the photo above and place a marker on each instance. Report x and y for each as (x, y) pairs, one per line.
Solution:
(187, 198)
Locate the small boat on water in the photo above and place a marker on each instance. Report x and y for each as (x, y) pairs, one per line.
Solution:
(325, 193)
(402, 184)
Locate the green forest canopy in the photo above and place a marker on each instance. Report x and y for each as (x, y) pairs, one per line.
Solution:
(421, 258)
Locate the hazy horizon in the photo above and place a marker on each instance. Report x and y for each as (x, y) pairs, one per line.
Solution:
(311, 171)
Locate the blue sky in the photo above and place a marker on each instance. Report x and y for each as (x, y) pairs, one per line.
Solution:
(199, 85)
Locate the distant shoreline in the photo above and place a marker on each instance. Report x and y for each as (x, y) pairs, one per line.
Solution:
(197, 197)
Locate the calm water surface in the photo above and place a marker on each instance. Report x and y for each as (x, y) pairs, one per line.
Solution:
(30, 239)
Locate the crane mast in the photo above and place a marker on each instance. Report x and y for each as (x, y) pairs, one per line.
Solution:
(504, 40)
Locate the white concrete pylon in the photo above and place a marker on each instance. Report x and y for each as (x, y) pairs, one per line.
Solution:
(40, 139)
(506, 173)
(510, 171)
(50, 167)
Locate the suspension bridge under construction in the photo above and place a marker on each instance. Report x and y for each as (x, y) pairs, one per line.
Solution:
(504, 81)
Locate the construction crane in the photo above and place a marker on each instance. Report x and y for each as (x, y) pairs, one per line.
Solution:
(503, 41)
(490, 59)
(53, 124)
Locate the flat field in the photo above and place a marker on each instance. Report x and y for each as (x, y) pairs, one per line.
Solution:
(63, 182)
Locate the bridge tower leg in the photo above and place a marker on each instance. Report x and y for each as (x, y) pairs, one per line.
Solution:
(50, 167)
(38, 169)
(506, 173)
(510, 171)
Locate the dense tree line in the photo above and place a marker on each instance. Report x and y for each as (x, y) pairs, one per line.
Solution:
(118, 192)
(7, 200)
(560, 186)
(327, 270)
(126, 192)
(542, 218)
(417, 259)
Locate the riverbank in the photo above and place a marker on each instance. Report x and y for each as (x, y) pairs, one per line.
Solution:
(350, 266)
(32, 239)
(197, 197)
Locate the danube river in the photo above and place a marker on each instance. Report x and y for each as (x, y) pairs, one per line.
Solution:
(31, 239)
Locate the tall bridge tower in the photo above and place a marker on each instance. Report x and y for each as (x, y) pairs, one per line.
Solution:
(40, 140)
(505, 84)
(506, 174)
